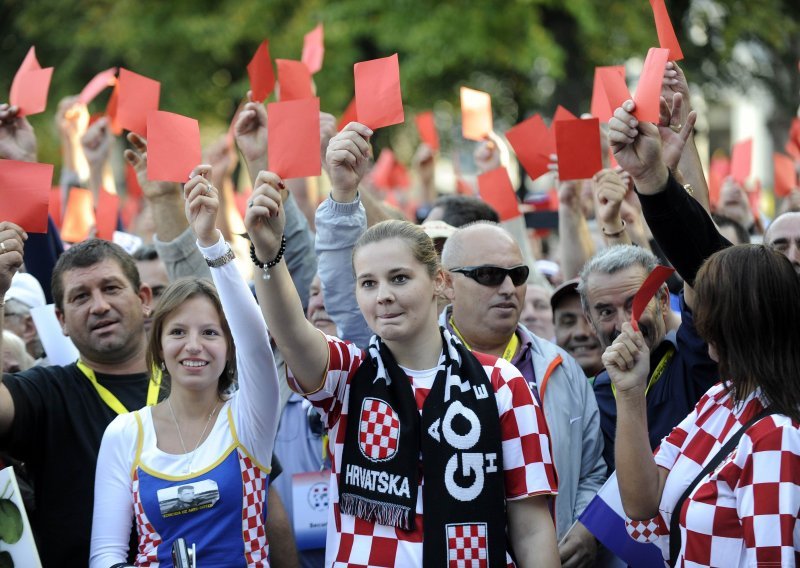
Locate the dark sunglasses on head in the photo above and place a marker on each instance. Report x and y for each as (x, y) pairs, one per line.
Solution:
(488, 275)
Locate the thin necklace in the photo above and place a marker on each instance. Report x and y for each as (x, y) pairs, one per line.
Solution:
(200, 439)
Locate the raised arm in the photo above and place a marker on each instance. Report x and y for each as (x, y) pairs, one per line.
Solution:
(303, 347)
(575, 241)
(641, 481)
(340, 222)
(96, 145)
(610, 192)
(258, 400)
(12, 238)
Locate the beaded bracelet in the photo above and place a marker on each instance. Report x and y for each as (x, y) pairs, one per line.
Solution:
(266, 266)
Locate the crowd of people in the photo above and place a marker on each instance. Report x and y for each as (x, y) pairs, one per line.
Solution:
(465, 387)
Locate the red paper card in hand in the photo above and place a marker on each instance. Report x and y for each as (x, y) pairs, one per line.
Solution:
(111, 111)
(294, 80)
(294, 140)
(741, 160)
(600, 107)
(476, 114)
(666, 33)
(646, 292)
(30, 86)
(349, 115)
(426, 127)
(107, 214)
(648, 92)
(313, 49)
(785, 175)
(578, 148)
(137, 97)
(25, 194)
(560, 114)
(496, 190)
(379, 101)
(529, 141)
(262, 76)
(173, 146)
(614, 87)
(78, 215)
(98, 84)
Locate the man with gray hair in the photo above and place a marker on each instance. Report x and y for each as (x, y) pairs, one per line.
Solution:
(25, 294)
(485, 283)
(680, 368)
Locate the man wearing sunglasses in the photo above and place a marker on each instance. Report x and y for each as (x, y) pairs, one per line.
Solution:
(486, 282)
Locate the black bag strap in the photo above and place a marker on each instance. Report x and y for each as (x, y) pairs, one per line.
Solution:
(675, 521)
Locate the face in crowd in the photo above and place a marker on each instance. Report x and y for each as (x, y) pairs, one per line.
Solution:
(316, 312)
(154, 275)
(576, 335)
(537, 315)
(784, 236)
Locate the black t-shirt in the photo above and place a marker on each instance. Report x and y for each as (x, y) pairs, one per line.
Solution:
(59, 420)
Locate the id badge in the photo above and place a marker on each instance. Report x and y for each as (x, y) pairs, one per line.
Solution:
(310, 508)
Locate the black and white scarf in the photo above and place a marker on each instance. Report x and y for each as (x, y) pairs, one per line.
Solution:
(459, 438)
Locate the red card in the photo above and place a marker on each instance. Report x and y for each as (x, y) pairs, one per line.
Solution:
(78, 215)
(294, 80)
(55, 206)
(173, 146)
(562, 114)
(107, 214)
(476, 114)
(463, 187)
(599, 107)
(666, 33)
(388, 173)
(313, 49)
(25, 194)
(649, 287)
(754, 198)
(137, 97)
(648, 92)
(132, 187)
(785, 175)
(294, 139)
(98, 84)
(614, 87)
(529, 140)
(578, 148)
(262, 76)
(379, 101)
(793, 143)
(426, 126)
(718, 170)
(349, 115)
(741, 159)
(495, 189)
(30, 86)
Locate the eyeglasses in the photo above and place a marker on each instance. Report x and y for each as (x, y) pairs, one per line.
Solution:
(489, 275)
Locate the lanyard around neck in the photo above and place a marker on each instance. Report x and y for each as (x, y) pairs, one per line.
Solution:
(112, 401)
(660, 368)
(508, 352)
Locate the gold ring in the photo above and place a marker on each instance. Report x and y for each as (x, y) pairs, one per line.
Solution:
(3, 247)
(676, 127)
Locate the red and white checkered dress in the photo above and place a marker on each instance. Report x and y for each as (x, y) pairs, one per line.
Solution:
(527, 464)
(745, 512)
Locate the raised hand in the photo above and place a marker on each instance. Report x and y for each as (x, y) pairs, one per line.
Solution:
(202, 204)
(72, 119)
(348, 158)
(674, 130)
(250, 132)
(674, 83)
(96, 143)
(12, 239)
(487, 156)
(637, 148)
(137, 158)
(610, 190)
(17, 139)
(627, 361)
(265, 218)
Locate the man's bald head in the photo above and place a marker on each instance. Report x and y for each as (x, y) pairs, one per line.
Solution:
(783, 234)
(457, 246)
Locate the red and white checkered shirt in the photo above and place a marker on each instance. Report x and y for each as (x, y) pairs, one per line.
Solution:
(527, 464)
(745, 512)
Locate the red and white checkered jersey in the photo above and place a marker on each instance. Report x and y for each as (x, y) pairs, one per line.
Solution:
(745, 512)
(527, 462)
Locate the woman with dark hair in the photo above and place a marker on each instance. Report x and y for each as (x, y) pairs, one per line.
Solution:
(196, 465)
(723, 489)
(417, 423)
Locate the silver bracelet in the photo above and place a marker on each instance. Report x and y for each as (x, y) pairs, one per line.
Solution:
(222, 260)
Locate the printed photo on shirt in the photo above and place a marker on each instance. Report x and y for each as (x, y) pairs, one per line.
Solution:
(188, 497)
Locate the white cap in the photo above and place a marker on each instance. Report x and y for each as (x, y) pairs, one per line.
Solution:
(27, 290)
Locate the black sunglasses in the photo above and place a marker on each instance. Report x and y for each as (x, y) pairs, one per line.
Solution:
(488, 275)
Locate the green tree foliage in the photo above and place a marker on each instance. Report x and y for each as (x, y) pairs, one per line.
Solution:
(529, 54)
